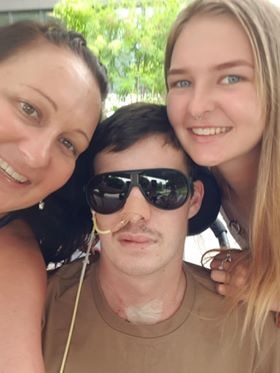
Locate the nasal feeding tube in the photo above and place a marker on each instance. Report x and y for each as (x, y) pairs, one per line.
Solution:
(131, 213)
(126, 219)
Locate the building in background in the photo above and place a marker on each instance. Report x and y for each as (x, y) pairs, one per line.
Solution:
(15, 10)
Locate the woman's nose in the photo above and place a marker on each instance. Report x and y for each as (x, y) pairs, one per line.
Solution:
(36, 152)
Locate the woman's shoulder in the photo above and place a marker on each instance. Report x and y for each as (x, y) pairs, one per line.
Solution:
(17, 231)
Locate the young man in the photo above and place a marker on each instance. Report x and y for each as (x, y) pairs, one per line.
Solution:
(142, 309)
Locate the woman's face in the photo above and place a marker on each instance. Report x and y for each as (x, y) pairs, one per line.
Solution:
(49, 107)
(212, 100)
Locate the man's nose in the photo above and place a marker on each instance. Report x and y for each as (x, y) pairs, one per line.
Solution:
(136, 207)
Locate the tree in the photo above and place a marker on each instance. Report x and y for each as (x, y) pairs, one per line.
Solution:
(129, 38)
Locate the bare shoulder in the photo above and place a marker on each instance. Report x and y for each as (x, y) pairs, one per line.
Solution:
(17, 234)
(21, 262)
(17, 228)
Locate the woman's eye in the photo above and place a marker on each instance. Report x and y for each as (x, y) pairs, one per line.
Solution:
(68, 145)
(231, 79)
(29, 110)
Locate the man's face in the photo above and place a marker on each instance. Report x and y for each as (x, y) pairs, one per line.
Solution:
(151, 239)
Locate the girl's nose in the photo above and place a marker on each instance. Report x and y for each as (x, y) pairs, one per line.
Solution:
(201, 101)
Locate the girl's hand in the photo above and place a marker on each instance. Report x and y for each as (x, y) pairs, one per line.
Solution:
(230, 269)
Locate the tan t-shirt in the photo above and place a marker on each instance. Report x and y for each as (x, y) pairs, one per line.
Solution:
(198, 338)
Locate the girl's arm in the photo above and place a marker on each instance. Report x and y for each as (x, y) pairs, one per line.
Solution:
(22, 296)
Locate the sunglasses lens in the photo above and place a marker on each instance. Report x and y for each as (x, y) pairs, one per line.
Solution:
(107, 193)
(165, 189)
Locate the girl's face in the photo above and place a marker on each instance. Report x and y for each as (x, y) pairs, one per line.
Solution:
(212, 99)
(49, 107)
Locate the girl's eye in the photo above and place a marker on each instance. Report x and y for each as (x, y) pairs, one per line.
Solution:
(182, 84)
(29, 110)
(68, 145)
(231, 79)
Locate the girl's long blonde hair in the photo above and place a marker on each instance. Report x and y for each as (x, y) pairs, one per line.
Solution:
(260, 19)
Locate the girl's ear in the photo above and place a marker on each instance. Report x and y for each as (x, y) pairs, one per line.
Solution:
(196, 199)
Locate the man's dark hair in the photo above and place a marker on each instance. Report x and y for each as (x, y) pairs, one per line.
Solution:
(136, 122)
(133, 123)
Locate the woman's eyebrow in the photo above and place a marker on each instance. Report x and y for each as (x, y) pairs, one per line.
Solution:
(51, 101)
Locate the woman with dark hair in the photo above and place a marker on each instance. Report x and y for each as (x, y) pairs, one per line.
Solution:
(51, 93)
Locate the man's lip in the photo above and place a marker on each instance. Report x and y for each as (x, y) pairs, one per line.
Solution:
(135, 238)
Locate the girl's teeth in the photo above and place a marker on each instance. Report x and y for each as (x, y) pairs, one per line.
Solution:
(4, 166)
(210, 131)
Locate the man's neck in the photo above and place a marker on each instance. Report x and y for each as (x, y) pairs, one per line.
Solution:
(146, 299)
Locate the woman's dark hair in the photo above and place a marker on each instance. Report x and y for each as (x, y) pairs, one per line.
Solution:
(16, 37)
(64, 224)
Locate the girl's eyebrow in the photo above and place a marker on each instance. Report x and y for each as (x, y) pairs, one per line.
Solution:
(234, 63)
(221, 66)
(176, 71)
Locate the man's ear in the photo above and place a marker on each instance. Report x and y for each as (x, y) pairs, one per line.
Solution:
(196, 199)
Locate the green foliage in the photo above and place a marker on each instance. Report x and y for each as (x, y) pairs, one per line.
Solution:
(129, 38)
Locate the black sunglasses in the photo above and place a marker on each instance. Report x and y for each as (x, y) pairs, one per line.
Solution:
(164, 188)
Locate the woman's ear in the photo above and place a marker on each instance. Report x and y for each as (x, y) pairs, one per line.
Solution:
(196, 199)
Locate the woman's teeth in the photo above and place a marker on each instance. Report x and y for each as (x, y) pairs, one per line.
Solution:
(4, 166)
